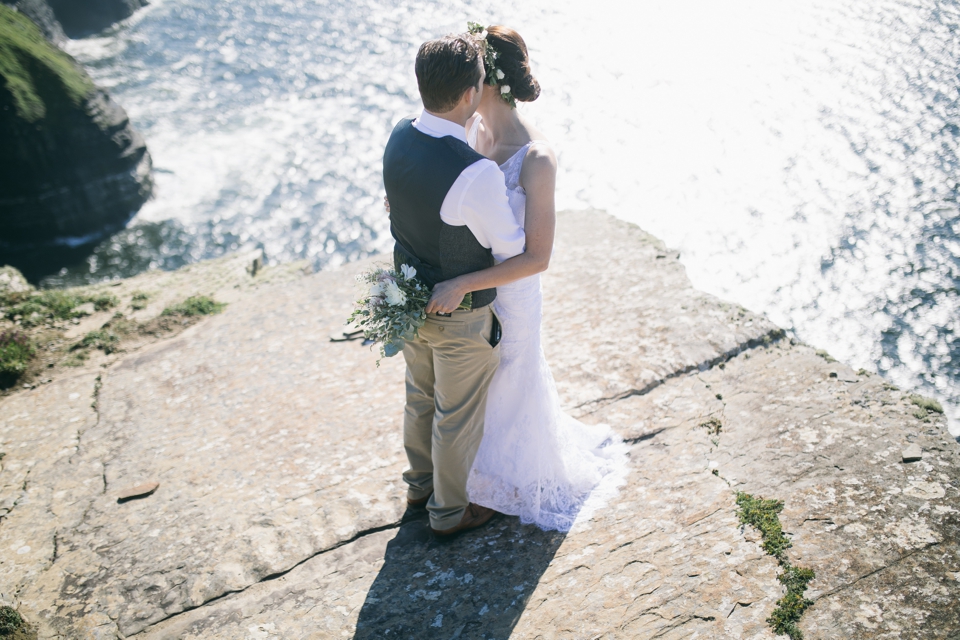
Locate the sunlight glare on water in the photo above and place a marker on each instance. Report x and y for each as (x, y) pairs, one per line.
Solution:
(801, 155)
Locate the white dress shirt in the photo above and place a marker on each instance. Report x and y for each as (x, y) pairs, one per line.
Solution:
(478, 198)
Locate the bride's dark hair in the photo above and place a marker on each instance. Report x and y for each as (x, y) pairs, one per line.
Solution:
(514, 62)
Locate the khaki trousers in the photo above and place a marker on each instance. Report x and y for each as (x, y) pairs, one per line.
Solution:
(449, 368)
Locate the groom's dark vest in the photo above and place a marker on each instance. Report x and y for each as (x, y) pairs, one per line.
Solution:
(418, 171)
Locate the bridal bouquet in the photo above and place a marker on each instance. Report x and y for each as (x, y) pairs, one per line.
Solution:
(393, 310)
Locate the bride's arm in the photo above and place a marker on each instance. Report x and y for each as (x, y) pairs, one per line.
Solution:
(539, 178)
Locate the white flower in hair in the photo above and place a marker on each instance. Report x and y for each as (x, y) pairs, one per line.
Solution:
(500, 74)
(505, 89)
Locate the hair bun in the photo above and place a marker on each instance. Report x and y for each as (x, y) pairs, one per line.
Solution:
(514, 61)
(526, 88)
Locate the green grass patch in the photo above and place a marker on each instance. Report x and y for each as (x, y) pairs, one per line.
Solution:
(34, 70)
(195, 306)
(925, 406)
(764, 515)
(103, 339)
(139, 300)
(16, 351)
(10, 620)
(826, 356)
(52, 304)
(108, 337)
(76, 358)
(102, 301)
(12, 624)
(713, 425)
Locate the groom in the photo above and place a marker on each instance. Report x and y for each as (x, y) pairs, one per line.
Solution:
(449, 215)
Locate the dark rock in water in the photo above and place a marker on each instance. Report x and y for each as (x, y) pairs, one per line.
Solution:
(42, 15)
(72, 166)
(84, 17)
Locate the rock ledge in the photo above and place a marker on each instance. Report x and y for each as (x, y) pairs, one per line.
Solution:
(279, 512)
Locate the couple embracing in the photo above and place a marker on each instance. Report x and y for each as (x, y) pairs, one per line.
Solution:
(470, 189)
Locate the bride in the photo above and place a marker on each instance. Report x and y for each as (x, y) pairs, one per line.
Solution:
(534, 461)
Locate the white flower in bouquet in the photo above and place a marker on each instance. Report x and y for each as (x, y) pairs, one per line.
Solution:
(394, 295)
(394, 308)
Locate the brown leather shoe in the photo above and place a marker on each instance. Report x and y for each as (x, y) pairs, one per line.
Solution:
(419, 502)
(473, 516)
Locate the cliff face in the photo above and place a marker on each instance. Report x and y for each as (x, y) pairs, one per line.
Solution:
(72, 164)
(83, 18)
(42, 15)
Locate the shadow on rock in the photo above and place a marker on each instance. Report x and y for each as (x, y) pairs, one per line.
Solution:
(475, 586)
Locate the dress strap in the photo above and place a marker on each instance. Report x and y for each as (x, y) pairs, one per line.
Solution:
(512, 167)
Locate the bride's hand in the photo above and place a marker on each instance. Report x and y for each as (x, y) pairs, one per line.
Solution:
(446, 297)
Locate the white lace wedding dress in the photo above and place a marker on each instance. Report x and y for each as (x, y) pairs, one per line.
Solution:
(535, 461)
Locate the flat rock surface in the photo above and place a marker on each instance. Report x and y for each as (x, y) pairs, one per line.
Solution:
(280, 510)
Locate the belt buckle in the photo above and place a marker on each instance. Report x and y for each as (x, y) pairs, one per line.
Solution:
(444, 315)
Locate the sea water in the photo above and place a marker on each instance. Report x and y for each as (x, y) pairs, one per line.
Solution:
(801, 155)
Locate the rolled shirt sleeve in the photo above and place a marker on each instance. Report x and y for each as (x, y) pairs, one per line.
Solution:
(478, 199)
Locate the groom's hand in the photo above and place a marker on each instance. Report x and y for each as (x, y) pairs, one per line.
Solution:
(446, 297)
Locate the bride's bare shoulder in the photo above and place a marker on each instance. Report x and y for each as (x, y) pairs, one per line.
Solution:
(540, 156)
(539, 166)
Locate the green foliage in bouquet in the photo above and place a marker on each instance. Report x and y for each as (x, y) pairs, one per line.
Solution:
(394, 308)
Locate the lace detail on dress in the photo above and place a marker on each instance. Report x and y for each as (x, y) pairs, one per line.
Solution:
(535, 461)
(511, 168)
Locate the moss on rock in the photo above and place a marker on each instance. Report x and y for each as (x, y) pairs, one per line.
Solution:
(195, 306)
(139, 300)
(33, 308)
(825, 355)
(764, 515)
(925, 406)
(13, 626)
(29, 64)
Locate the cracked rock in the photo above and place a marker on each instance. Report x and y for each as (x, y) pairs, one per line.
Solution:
(280, 456)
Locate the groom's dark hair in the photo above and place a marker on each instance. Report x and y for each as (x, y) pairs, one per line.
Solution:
(446, 68)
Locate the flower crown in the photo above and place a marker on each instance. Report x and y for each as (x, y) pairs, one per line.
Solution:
(490, 55)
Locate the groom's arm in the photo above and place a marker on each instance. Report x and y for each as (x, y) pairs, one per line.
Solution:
(540, 169)
(478, 199)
